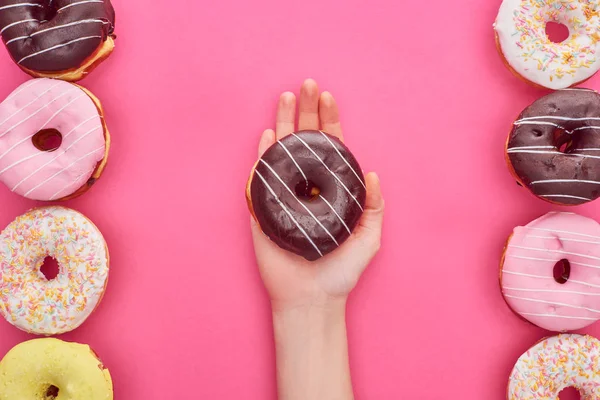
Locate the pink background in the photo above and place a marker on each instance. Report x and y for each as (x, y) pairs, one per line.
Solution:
(425, 102)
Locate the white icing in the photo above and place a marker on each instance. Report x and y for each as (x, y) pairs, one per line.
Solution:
(520, 28)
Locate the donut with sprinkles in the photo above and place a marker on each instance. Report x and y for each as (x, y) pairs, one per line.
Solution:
(35, 304)
(307, 193)
(553, 149)
(54, 142)
(550, 272)
(64, 39)
(554, 364)
(530, 54)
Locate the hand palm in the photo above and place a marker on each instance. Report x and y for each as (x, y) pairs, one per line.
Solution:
(288, 277)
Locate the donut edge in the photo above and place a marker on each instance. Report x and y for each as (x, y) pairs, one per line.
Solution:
(249, 193)
(74, 75)
(102, 163)
(502, 260)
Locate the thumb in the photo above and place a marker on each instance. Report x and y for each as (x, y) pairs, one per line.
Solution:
(366, 239)
(370, 225)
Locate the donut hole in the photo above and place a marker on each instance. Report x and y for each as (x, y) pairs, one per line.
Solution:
(51, 393)
(47, 140)
(562, 271)
(51, 10)
(569, 393)
(557, 32)
(563, 141)
(307, 190)
(537, 133)
(49, 268)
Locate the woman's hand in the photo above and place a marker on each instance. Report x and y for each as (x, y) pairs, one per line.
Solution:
(291, 280)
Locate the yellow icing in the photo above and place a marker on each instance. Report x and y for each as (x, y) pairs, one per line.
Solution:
(31, 368)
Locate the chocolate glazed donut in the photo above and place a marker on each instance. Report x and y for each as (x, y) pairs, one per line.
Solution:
(57, 38)
(307, 193)
(554, 147)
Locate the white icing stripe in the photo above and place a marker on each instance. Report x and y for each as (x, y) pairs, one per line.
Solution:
(558, 316)
(21, 5)
(526, 235)
(336, 214)
(17, 23)
(36, 111)
(330, 171)
(586, 127)
(551, 152)
(45, 124)
(549, 259)
(531, 147)
(559, 118)
(555, 251)
(550, 291)
(519, 123)
(28, 104)
(293, 160)
(565, 181)
(300, 202)
(85, 21)
(284, 208)
(16, 39)
(567, 196)
(58, 46)
(63, 170)
(587, 149)
(342, 157)
(566, 232)
(551, 303)
(79, 3)
(549, 277)
(51, 161)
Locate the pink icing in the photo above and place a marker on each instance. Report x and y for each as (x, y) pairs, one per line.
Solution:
(528, 283)
(49, 104)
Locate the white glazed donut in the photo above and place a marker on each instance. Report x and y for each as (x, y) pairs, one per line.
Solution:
(521, 38)
(553, 365)
(49, 307)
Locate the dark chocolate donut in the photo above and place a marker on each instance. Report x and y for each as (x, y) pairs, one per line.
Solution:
(307, 193)
(554, 147)
(55, 36)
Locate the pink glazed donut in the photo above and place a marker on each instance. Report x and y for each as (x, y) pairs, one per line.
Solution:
(53, 140)
(550, 272)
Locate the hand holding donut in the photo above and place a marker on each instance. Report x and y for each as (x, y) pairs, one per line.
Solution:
(340, 236)
(290, 279)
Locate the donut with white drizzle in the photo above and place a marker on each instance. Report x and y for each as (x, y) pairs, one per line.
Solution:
(63, 39)
(54, 142)
(530, 54)
(553, 148)
(307, 193)
(550, 272)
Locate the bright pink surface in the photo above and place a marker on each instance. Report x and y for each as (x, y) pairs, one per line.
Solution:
(425, 102)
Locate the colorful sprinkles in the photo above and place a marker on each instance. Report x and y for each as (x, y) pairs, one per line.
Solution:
(27, 299)
(557, 363)
(521, 28)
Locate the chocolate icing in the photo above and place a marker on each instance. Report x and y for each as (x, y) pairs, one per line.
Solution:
(347, 202)
(95, 23)
(569, 119)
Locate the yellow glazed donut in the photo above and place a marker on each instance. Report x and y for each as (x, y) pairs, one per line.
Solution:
(48, 369)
